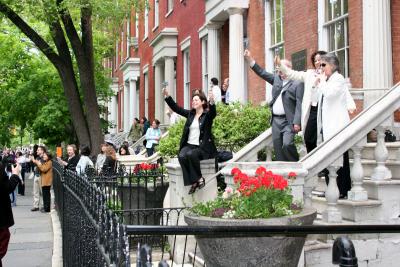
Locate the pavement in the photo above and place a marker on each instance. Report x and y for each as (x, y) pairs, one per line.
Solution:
(31, 242)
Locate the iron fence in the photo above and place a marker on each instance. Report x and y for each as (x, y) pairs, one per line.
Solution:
(100, 229)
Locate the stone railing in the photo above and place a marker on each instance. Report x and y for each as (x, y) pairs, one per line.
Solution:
(329, 155)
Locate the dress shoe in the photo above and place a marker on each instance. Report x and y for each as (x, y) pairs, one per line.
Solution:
(34, 209)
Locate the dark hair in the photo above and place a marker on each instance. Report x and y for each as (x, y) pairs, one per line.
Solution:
(19, 153)
(136, 119)
(332, 60)
(214, 81)
(313, 55)
(43, 148)
(202, 97)
(48, 155)
(157, 122)
(85, 150)
(125, 148)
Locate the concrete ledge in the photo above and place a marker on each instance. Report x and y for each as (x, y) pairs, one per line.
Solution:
(57, 259)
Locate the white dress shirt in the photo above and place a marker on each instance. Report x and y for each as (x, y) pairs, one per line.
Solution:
(277, 108)
(217, 93)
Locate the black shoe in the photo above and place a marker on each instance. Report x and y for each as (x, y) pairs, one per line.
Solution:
(34, 209)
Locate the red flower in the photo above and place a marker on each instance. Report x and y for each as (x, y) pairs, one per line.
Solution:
(292, 174)
(235, 171)
(261, 171)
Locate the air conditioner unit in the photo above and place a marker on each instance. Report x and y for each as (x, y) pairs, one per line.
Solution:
(134, 42)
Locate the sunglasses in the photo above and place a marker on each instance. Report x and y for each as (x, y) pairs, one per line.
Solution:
(323, 64)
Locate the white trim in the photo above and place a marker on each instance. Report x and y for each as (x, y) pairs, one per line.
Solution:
(269, 55)
(169, 13)
(154, 29)
(203, 31)
(128, 37)
(186, 77)
(322, 31)
(156, 16)
(185, 43)
(146, 23)
(145, 69)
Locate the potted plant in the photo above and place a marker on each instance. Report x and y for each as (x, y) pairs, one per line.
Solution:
(263, 199)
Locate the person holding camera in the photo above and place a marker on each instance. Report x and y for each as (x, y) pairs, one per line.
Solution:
(45, 167)
(197, 142)
(7, 185)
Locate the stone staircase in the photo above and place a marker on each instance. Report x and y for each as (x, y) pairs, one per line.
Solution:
(381, 207)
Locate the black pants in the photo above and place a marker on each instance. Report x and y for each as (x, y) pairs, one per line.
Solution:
(189, 158)
(46, 198)
(310, 133)
(21, 186)
(150, 151)
(343, 179)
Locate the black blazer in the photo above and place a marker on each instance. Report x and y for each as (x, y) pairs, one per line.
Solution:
(7, 186)
(206, 141)
(292, 94)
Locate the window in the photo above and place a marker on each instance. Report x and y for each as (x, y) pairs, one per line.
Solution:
(204, 61)
(336, 26)
(186, 78)
(146, 22)
(276, 27)
(170, 6)
(156, 13)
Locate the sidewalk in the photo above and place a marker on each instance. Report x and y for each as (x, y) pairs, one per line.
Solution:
(31, 241)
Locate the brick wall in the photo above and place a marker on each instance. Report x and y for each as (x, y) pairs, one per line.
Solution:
(395, 7)
(256, 36)
(355, 42)
(300, 27)
(224, 51)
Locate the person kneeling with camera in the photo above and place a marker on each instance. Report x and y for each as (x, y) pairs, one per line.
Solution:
(7, 186)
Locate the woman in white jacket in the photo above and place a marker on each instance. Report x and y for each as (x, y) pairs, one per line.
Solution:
(309, 106)
(333, 112)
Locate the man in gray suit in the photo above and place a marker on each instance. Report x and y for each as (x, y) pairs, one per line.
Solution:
(286, 109)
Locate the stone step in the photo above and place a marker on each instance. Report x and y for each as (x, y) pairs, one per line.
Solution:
(369, 165)
(368, 151)
(351, 210)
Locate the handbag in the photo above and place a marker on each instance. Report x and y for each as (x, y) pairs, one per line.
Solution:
(224, 155)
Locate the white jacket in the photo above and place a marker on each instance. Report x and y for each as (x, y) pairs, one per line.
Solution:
(83, 162)
(332, 108)
(309, 77)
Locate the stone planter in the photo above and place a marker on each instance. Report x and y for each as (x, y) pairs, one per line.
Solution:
(273, 251)
(142, 197)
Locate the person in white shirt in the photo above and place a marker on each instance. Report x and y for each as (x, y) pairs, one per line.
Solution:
(286, 101)
(84, 161)
(216, 90)
(225, 92)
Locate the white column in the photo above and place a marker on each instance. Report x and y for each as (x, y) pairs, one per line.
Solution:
(332, 213)
(125, 116)
(357, 192)
(381, 172)
(157, 94)
(132, 101)
(214, 55)
(236, 59)
(169, 74)
(377, 48)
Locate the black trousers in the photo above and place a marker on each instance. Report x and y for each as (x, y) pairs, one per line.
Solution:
(310, 133)
(21, 186)
(46, 198)
(343, 179)
(283, 139)
(189, 158)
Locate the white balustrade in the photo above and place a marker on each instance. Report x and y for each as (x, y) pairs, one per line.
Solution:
(357, 192)
(332, 213)
(381, 172)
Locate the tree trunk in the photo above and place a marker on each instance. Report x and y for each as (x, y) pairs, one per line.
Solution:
(74, 104)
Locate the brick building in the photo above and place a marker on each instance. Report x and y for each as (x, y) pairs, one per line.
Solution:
(187, 42)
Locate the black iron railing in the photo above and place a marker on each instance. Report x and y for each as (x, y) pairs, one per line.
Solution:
(104, 224)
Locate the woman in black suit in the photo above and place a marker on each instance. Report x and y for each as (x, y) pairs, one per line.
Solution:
(197, 142)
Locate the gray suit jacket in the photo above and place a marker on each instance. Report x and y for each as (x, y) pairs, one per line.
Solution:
(292, 94)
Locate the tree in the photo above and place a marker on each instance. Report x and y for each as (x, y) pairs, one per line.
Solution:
(70, 40)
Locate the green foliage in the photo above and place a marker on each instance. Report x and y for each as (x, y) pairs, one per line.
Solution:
(234, 127)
